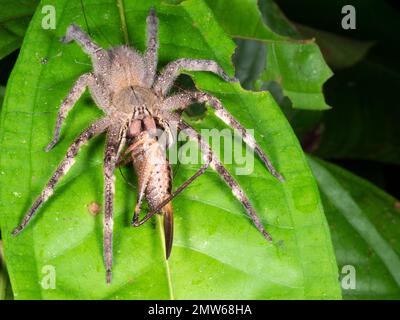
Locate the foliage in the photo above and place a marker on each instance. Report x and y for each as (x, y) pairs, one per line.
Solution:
(364, 223)
(14, 19)
(364, 95)
(217, 251)
(289, 61)
(285, 67)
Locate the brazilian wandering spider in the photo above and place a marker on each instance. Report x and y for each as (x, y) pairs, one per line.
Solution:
(126, 86)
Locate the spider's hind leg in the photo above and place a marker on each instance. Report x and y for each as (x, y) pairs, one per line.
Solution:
(182, 101)
(227, 177)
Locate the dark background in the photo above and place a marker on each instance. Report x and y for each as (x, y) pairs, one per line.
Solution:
(378, 84)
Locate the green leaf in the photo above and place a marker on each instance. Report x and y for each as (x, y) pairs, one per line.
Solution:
(249, 60)
(364, 95)
(2, 92)
(217, 252)
(364, 223)
(296, 65)
(14, 19)
(339, 52)
(3, 274)
(5, 286)
(276, 19)
(301, 71)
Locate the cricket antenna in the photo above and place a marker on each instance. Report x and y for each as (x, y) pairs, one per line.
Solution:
(84, 16)
(126, 180)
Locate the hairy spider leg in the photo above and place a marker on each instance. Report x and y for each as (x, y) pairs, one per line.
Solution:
(183, 100)
(220, 169)
(151, 54)
(74, 32)
(96, 128)
(115, 141)
(227, 177)
(67, 104)
(166, 79)
(119, 119)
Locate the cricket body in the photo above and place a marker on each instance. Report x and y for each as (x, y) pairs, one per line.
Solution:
(154, 180)
(136, 103)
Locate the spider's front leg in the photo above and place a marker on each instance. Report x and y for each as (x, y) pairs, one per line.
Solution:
(74, 32)
(95, 129)
(226, 176)
(182, 101)
(166, 79)
(115, 140)
(68, 103)
(152, 48)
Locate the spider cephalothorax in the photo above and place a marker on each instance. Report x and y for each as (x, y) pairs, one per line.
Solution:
(125, 85)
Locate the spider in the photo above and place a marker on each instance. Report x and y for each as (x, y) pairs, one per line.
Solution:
(135, 100)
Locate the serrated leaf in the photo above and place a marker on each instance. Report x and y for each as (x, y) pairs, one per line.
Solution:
(217, 251)
(14, 19)
(249, 60)
(276, 19)
(366, 96)
(339, 52)
(296, 65)
(364, 223)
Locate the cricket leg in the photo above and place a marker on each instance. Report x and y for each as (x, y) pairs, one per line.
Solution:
(143, 168)
(168, 221)
(124, 154)
(198, 173)
(207, 156)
